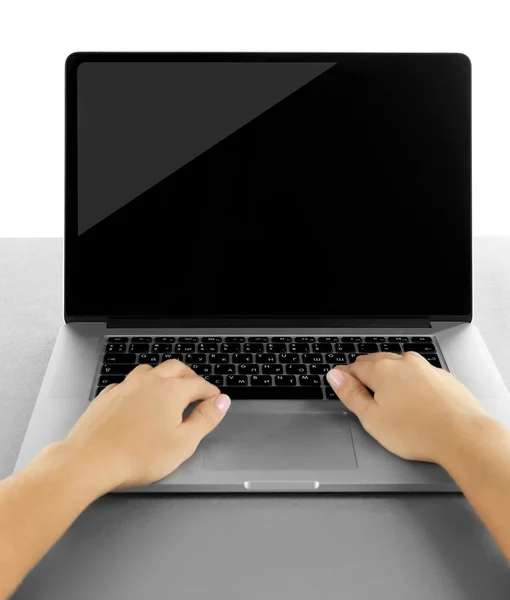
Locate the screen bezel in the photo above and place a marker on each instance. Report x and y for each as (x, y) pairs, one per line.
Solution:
(71, 184)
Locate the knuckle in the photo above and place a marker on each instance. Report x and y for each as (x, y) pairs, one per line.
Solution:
(207, 414)
(411, 355)
(141, 369)
(351, 392)
(383, 363)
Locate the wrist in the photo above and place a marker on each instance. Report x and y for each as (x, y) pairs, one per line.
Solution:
(463, 437)
(79, 467)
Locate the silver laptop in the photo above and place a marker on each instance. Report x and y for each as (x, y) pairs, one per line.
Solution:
(264, 217)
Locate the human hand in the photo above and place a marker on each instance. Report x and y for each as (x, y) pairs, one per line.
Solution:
(133, 433)
(416, 409)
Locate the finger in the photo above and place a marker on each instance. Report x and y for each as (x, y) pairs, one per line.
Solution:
(378, 356)
(173, 368)
(108, 388)
(195, 388)
(351, 391)
(204, 418)
(368, 371)
(138, 371)
(412, 354)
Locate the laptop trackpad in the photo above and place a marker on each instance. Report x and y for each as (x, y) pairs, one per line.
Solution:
(264, 441)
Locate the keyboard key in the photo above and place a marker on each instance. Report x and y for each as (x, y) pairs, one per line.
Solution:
(196, 358)
(345, 348)
(330, 394)
(119, 358)
(419, 348)
(201, 369)
(207, 347)
(105, 380)
(214, 340)
(162, 348)
(254, 347)
(285, 340)
(421, 338)
(225, 369)
(351, 339)
(299, 348)
(328, 339)
(248, 369)
(352, 356)
(273, 369)
(395, 348)
(309, 380)
(335, 358)
(285, 380)
(150, 359)
(141, 340)
(252, 392)
(171, 356)
(258, 339)
(115, 347)
(188, 339)
(305, 339)
(231, 347)
(276, 348)
(117, 340)
(242, 358)
(284, 358)
(433, 359)
(322, 347)
(319, 369)
(237, 379)
(266, 358)
(298, 369)
(138, 348)
(99, 390)
(235, 339)
(165, 339)
(218, 358)
(368, 348)
(117, 369)
(312, 358)
(398, 339)
(261, 380)
(214, 379)
(375, 339)
(186, 347)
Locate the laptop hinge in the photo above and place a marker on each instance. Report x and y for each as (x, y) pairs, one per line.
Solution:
(261, 322)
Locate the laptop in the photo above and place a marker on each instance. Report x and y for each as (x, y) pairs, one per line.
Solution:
(263, 218)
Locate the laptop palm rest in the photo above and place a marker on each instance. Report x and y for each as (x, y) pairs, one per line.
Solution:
(289, 441)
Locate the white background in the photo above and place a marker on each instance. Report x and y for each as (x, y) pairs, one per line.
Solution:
(36, 37)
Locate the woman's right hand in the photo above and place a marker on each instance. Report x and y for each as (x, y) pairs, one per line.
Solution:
(416, 409)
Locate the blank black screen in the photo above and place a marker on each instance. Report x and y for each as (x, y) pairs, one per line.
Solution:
(327, 185)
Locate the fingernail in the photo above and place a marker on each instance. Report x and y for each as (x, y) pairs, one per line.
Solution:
(335, 378)
(223, 403)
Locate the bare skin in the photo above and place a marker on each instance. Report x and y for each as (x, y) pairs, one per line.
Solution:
(134, 434)
(131, 435)
(423, 413)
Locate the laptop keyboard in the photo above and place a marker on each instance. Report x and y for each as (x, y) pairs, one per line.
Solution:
(273, 368)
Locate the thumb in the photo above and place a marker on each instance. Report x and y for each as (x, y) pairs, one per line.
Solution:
(206, 416)
(351, 391)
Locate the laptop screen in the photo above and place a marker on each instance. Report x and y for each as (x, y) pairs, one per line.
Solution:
(268, 185)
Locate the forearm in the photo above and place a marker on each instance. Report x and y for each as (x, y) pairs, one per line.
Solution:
(37, 505)
(478, 459)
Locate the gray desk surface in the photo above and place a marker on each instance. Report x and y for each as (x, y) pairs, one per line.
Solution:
(347, 546)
